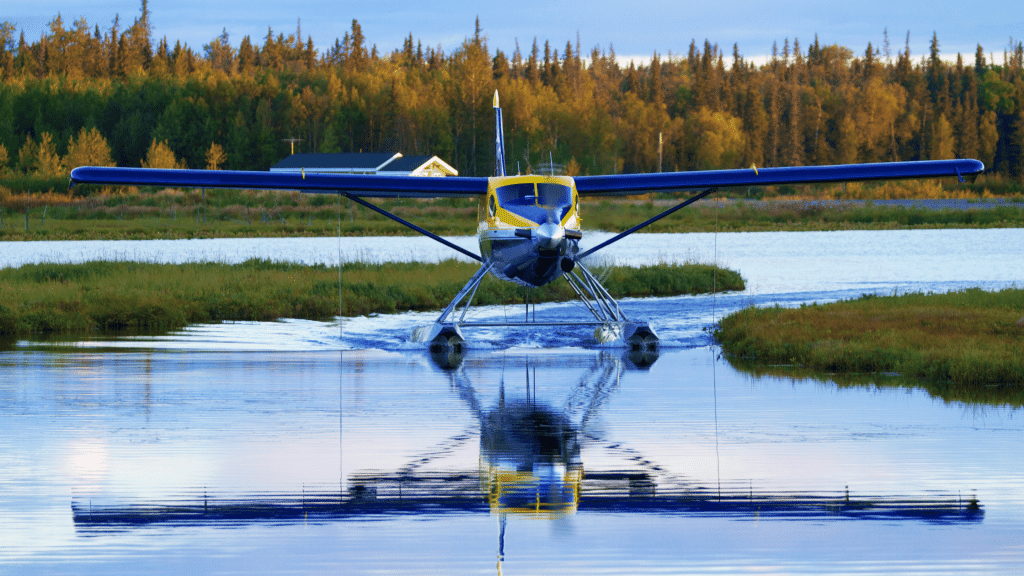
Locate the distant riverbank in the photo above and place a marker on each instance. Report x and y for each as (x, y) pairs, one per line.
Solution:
(234, 214)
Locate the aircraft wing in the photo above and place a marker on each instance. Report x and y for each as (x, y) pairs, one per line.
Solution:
(365, 185)
(626, 184)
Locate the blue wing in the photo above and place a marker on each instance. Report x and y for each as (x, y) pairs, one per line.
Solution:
(622, 184)
(365, 185)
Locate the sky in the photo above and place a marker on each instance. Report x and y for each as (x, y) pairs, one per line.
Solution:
(634, 29)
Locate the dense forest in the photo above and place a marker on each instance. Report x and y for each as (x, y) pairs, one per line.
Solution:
(79, 95)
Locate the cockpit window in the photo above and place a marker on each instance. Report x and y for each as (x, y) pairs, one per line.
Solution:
(536, 202)
(517, 195)
(554, 195)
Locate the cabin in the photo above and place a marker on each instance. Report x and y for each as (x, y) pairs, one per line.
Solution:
(384, 164)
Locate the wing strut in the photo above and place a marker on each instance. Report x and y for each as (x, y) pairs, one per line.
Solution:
(412, 226)
(679, 206)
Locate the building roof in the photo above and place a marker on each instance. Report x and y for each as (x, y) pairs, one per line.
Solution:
(420, 166)
(345, 162)
(405, 164)
(371, 163)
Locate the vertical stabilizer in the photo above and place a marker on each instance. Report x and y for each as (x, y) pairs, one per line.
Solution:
(499, 140)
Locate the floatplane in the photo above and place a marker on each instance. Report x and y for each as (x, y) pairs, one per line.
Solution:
(530, 225)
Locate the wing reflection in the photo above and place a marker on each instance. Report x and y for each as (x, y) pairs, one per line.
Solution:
(530, 463)
(608, 492)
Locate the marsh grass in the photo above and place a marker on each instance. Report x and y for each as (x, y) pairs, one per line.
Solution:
(168, 214)
(134, 297)
(731, 216)
(962, 338)
(218, 214)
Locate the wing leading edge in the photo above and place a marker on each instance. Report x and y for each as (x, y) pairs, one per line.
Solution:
(623, 184)
(365, 185)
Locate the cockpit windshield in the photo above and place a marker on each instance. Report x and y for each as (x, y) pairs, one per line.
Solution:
(534, 201)
(553, 195)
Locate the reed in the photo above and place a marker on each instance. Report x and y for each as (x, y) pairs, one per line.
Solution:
(133, 297)
(963, 338)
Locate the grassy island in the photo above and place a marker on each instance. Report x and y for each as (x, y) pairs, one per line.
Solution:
(964, 338)
(133, 297)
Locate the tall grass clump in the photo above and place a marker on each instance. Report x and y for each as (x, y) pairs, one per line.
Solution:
(965, 338)
(132, 297)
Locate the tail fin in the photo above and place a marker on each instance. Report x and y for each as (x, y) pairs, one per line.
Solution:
(499, 140)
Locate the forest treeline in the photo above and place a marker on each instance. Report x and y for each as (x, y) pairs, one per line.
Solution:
(79, 95)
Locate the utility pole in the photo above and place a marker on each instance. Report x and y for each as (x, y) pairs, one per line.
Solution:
(659, 151)
(292, 141)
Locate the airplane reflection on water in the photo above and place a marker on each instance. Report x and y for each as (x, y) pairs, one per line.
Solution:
(530, 464)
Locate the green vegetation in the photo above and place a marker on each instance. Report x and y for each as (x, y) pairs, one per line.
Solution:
(81, 95)
(232, 213)
(960, 339)
(221, 213)
(130, 297)
(788, 215)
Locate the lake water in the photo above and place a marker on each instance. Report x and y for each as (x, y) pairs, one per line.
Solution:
(312, 447)
(772, 262)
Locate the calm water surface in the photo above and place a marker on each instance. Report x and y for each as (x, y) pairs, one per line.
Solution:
(309, 447)
(555, 461)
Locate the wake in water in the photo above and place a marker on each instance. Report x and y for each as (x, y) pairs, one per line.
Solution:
(679, 321)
